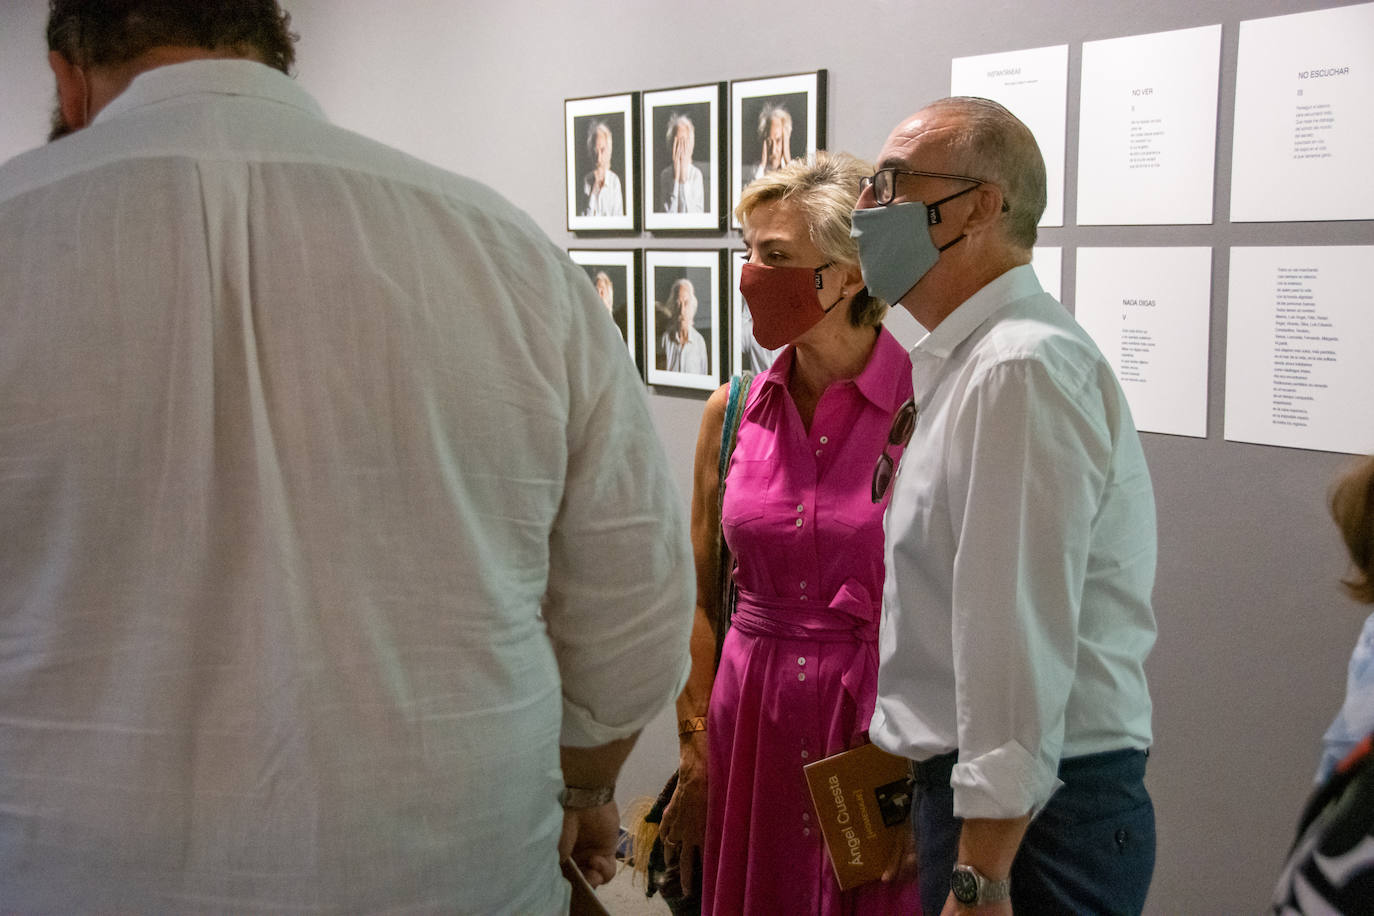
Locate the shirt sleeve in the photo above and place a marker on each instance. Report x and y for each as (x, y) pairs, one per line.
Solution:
(1025, 478)
(621, 588)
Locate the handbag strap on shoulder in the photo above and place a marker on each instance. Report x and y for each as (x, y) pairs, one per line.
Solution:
(734, 411)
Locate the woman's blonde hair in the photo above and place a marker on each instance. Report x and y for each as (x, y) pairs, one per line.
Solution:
(825, 190)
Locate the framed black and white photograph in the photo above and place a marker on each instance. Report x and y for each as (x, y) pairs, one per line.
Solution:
(617, 277)
(772, 121)
(601, 135)
(746, 353)
(684, 158)
(684, 317)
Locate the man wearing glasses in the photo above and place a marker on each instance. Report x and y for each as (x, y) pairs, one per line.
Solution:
(1020, 542)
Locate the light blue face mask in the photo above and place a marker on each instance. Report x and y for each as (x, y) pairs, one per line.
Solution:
(895, 250)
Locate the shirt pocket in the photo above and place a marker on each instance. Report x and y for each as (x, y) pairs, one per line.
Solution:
(747, 490)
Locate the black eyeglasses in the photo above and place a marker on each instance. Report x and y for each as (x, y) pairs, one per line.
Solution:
(903, 425)
(884, 182)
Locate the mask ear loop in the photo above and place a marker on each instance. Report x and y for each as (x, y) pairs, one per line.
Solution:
(933, 210)
(820, 285)
(933, 215)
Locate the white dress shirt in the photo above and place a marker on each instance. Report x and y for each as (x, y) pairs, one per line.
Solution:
(608, 200)
(687, 196)
(330, 504)
(1020, 555)
(684, 357)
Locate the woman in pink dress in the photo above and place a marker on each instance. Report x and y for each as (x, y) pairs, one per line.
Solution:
(798, 670)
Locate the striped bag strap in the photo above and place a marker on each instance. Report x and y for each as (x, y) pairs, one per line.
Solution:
(725, 563)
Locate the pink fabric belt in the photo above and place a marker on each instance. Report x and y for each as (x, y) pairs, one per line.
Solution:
(851, 616)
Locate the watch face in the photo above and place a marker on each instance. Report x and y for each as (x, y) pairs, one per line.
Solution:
(964, 885)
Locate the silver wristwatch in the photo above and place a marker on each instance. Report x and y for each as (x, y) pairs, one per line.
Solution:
(972, 889)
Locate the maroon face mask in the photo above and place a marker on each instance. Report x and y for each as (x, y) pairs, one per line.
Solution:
(783, 301)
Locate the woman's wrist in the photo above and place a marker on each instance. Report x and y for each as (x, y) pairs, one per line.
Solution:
(690, 726)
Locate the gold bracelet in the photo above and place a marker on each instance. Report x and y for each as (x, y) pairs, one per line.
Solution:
(688, 726)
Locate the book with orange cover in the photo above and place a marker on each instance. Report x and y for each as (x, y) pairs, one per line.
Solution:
(862, 798)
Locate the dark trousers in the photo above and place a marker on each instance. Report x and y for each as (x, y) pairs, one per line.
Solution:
(1091, 850)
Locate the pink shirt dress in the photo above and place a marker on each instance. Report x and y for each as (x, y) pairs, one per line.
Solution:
(798, 672)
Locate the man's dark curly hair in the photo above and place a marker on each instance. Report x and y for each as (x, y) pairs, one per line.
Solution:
(103, 33)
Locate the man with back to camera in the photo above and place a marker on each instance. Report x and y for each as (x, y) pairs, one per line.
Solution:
(1020, 542)
(333, 523)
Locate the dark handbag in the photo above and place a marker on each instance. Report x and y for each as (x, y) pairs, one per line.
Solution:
(1330, 868)
(665, 879)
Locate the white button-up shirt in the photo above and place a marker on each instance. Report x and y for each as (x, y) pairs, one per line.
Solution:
(330, 504)
(1020, 555)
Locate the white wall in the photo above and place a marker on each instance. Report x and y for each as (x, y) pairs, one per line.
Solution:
(1254, 633)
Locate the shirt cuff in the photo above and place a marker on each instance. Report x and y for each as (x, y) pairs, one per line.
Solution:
(581, 728)
(1004, 783)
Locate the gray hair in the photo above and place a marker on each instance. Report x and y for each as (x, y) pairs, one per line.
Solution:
(597, 126)
(990, 143)
(771, 111)
(680, 118)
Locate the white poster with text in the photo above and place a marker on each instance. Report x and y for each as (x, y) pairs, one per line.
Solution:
(1300, 348)
(1304, 118)
(1149, 310)
(1148, 128)
(1034, 86)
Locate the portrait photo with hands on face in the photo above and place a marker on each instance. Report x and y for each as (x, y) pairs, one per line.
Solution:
(683, 164)
(773, 121)
(682, 182)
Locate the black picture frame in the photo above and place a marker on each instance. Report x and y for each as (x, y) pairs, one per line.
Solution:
(587, 122)
(624, 269)
(698, 201)
(793, 106)
(700, 363)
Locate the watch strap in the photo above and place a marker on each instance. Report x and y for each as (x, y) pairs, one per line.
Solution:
(972, 888)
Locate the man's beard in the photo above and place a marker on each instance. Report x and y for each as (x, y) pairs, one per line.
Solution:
(60, 127)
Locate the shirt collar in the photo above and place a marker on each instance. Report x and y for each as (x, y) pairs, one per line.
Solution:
(1017, 283)
(223, 77)
(877, 382)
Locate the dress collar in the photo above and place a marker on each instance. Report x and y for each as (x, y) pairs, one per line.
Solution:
(222, 77)
(877, 382)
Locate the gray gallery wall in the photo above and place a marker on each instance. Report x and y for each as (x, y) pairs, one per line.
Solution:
(1254, 634)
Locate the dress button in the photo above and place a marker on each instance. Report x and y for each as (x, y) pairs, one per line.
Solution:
(801, 660)
(805, 755)
(806, 818)
(818, 453)
(803, 583)
(824, 439)
(802, 677)
(799, 523)
(806, 831)
(803, 597)
(801, 508)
